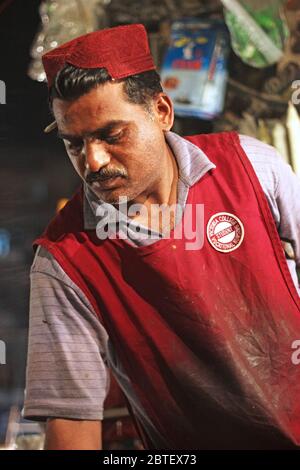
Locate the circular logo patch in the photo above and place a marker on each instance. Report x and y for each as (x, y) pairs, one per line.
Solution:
(225, 232)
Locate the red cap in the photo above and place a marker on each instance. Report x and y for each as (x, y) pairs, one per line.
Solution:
(122, 50)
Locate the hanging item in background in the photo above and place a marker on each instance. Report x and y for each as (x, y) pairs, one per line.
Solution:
(61, 22)
(153, 12)
(283, 133)
(258, 101)
(258, 30)
(279, 138)
(293, 127)
(194, 71)
(282, 81)
(292, 49)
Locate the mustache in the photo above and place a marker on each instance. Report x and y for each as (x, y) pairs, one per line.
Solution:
(105, 174)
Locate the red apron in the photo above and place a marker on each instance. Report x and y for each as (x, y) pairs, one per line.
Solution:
(205, 335)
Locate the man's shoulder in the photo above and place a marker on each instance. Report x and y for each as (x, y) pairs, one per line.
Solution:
(256, 148)
(215, 145)
(268, 164)
(212, 137)
(45, 262)
(252, 144)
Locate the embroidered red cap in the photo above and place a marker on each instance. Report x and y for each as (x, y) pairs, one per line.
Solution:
(122, 50)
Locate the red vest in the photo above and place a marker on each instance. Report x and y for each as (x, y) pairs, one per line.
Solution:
(204, 335)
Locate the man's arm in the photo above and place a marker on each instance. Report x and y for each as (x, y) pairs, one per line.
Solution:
(66, 434)
(67, 378)
(288, 200)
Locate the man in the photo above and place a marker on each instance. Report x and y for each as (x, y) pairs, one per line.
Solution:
(195, 313)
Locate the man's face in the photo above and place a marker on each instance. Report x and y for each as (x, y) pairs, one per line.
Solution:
(117, 147)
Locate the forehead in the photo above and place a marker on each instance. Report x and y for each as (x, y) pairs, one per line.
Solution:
(95, 109)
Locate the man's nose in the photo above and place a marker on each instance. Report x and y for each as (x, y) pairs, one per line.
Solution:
(96, 156)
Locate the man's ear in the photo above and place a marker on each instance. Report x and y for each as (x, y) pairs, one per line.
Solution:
(164, 111)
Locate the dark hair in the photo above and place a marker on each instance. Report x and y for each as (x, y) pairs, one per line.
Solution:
(71, 82)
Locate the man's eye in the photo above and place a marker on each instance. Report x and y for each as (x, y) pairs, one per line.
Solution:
(114, 138)
(75, 146)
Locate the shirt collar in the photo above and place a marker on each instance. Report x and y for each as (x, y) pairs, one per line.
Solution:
(192, 162)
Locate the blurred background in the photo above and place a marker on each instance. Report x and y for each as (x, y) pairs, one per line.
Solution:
(227, 65)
